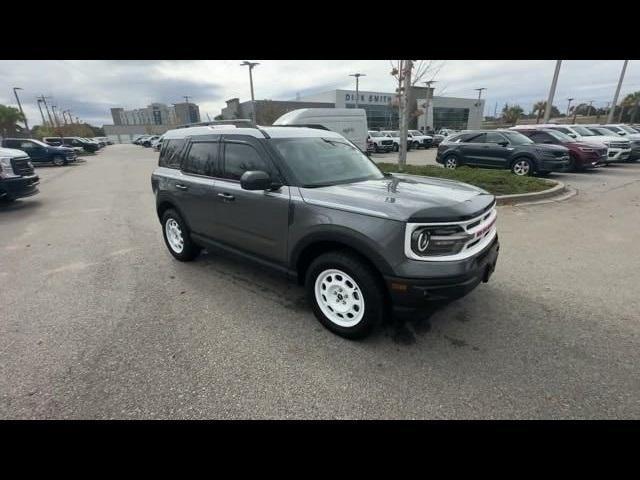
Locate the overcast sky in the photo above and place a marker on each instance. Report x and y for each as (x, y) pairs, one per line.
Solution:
(90, 88)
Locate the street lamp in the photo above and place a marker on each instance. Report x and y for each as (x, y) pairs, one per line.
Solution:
(552, 91)
(569, 104)
(357, 75)
(44, 123)
(253, 100)
(15, 92)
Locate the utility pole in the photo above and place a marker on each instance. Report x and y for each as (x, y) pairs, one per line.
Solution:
(186, 98)
(552, 91)
(64, 116)
(569, 105)
(615, 97)
(44, 123)
(357, 75)
(427, 104)
(44, 100)
(253, 99)
(589, 109)
(405, 75)
(15, 92)
(495, 111)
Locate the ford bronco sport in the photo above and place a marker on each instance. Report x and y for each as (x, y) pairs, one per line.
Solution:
(310, 204)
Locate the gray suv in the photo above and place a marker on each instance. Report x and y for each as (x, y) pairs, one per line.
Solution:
(310, 204)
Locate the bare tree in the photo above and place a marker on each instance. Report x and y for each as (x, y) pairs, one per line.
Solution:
(406, 77)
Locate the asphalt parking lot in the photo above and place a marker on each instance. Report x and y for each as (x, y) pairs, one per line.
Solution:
(97, 320)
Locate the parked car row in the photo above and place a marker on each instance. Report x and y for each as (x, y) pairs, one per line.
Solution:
(389, 140)
(19, 156)
(618, 147)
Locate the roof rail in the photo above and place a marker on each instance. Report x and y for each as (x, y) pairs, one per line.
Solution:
(305, 125)
(240, 122)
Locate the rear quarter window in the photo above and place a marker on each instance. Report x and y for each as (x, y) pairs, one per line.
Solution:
(170, 153)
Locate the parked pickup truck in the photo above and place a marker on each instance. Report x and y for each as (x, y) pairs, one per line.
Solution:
(17, 177)
(40, 152)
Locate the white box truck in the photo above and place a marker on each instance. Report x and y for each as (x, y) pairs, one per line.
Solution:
(351, 123)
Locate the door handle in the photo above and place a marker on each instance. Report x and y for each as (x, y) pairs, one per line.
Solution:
(226, 196)
(181, 187)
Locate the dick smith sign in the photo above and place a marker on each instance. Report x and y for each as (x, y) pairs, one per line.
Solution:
(378, 98)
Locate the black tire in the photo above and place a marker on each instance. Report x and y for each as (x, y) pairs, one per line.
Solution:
(416, 145)
(517, 166)
(396, 147)
(189, 250)
(59, 161)
(451, 161)
(368, 283)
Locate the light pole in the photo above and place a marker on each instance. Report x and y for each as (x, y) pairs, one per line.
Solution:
(552, 91)
(357, 75)
(44, 123)
(253, 99)
(427, 104)
(15, 92)
(569, 105)
(615, 97)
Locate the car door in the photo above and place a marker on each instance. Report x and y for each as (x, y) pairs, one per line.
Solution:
(35, 151)
(194, 188)
(256, 222)
(496, 150)
(472, 149)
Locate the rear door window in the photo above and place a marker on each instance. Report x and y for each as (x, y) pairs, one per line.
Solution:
(170, 153)
(202, 159)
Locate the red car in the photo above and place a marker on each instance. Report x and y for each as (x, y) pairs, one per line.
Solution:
(583, 155)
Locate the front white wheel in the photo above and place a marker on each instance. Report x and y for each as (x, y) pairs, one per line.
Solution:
(339, 297)
(451, 162)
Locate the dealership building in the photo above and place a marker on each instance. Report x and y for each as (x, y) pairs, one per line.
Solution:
(381, 108)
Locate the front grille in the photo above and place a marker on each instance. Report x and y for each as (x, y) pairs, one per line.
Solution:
(387, 142)
(619, 145)
(22, 166)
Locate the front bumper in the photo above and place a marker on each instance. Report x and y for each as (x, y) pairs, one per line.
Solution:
(553, 164)
(618, 155)
(409, 295)
(19, 187)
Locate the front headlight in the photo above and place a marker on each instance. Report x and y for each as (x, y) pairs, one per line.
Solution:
(587, 149)
(6, 170)
(438, 240)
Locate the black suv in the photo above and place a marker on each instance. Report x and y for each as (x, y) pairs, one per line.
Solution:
(310, 204)
(86, 145)
(502, 149)
(40, 152)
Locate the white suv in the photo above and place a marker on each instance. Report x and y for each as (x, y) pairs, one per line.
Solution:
(395, 136)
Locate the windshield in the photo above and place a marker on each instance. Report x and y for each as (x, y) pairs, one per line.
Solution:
(605, 131)
(627, 129)
(585, 132)
(394, 133)
(563, 137)
(42, 144)
(415, 132)
(516, 138)
(376, 134)
(318, 162)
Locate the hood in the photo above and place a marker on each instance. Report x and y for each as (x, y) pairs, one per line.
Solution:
(543, 147)
(404, 198)
(12, 153)
(602, 139)
(583, 144)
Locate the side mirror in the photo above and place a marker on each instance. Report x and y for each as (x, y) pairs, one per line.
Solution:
(572, 135)
(503, 143)
(257, 180)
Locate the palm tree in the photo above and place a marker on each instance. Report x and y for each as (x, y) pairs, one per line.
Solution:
(539, 108)
(9, 116)
(510, 114)
(632, 100)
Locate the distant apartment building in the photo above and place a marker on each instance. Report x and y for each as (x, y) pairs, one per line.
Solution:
(154, 119)
(157, 114)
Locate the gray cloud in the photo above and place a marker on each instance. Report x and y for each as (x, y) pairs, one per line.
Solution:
(91, 88)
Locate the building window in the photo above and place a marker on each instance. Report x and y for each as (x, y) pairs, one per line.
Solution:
(454, 118)
(383, 117)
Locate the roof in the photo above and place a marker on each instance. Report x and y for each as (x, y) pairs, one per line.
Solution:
(259, 132)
